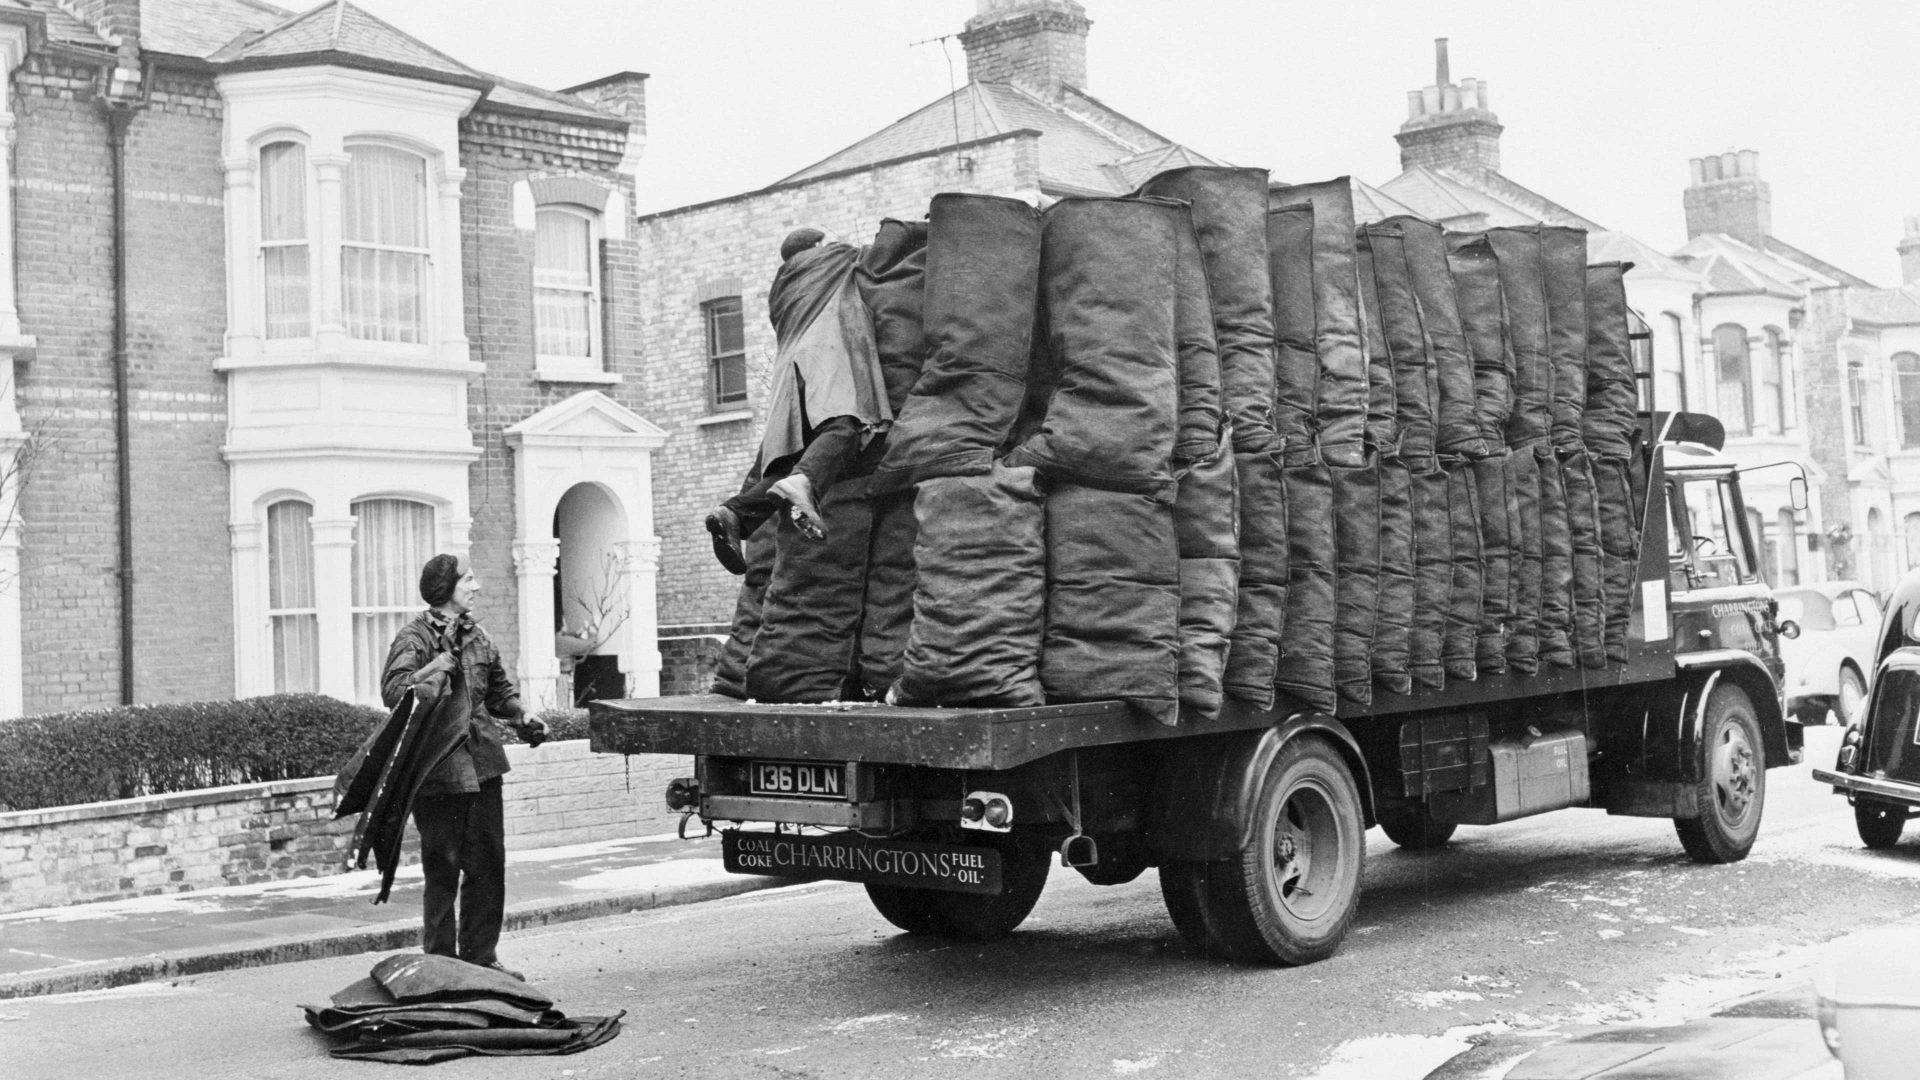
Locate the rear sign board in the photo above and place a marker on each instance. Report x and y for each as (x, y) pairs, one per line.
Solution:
(850, 857)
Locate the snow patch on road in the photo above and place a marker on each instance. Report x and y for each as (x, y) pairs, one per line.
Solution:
(1124, 1067)
(1399, 1057)
(652, 876)
(985, 1044)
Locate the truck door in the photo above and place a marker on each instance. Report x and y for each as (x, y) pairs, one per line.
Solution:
(1719, 598)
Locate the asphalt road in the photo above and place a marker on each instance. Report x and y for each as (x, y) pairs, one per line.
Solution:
(1522, 929)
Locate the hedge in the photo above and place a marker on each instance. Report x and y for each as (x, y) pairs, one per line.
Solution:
(60, 759)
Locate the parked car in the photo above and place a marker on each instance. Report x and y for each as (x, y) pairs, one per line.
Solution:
(1829, 663)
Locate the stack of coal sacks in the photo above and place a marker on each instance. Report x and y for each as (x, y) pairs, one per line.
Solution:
(1215, 440)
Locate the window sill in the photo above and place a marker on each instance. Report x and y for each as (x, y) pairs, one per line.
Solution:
(724, 418)
(548, 374)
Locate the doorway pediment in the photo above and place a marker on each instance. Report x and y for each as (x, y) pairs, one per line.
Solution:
(587, 418)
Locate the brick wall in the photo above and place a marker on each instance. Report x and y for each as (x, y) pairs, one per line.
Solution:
(680, 250)
(1823, 401)
(497, 151)
(688, 655)
(1465, 142)
(558, 794)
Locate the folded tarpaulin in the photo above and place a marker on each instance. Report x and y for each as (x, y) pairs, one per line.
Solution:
(730, 668)
(1620, 546)
(1460, 641)
(1296, 363)
(386, 772)
(1306, 664)
(416, 1009)
(982, 285)
(892, 279)
(1253, 658)
(1229, 206)
(980, 592)
(810, 614)
(1109, 276)
(1206, 526)
(1563, 253)
(1113, 600)
(1356, 518)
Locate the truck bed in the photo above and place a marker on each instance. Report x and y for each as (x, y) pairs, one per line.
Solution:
(957, 738)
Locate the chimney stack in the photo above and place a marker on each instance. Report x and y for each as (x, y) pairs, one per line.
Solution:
(1450, 126)
(1728, 196)
(1039, 45)
(1910, 253)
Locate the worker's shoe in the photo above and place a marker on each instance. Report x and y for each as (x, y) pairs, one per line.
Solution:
(724, 524)
(504, 970)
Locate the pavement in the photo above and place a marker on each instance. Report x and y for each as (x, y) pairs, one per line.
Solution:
(94, 946)
(1772, 1036)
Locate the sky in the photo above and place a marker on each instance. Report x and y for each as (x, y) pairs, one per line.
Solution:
(1603, 103)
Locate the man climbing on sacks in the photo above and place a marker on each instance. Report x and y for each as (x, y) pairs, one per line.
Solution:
(445, 657)
(828, 400)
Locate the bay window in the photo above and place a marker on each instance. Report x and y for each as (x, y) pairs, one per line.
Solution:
(284, 254)
(292, 615)
(383, 245)
(392, 540)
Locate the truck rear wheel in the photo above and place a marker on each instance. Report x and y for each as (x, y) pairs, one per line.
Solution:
(1183, 886)
(1291, 894)
(973, 916)
(1411, 825)
(1732, 790)
(1879, 823)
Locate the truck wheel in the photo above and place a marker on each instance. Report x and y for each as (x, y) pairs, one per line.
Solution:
(1879, 823)
(1183, 886)
(1412, 827)
(974, 916)
(1732, 789)
(1290, 896)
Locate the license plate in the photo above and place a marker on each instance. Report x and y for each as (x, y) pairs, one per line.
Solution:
(797, 779)
(849, 857)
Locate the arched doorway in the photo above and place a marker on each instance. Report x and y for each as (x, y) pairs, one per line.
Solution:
(591, 605)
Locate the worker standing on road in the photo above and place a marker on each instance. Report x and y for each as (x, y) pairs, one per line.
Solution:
(443, 654)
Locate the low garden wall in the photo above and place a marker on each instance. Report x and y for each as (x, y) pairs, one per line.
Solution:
(559, 793)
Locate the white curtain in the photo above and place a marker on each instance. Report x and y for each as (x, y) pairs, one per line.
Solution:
(384, 236)
(283, 239)
(563, 284)
(290, 602)
(392, 540)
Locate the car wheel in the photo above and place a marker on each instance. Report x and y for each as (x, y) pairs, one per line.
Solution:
(1852, 702)
(1878, 823)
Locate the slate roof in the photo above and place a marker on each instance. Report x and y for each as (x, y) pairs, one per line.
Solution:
(199, 28)
(1490, 202)
(1372, 204)
(338, 29)
(62, 25)
(1609, 245)
(1077, 155)
(1730, 266)
(1885, 307)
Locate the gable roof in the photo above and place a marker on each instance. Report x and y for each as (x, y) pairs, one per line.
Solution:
(1779, 247)
(1611, 245)
(1731, 266)
(62, 25)
(1078, 153)
(1477, 201)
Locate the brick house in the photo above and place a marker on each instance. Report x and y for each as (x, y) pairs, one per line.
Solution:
(290, 302)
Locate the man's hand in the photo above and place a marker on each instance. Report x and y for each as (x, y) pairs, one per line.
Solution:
(532, 730)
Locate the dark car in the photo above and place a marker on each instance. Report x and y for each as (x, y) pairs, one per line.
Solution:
(1878, 768)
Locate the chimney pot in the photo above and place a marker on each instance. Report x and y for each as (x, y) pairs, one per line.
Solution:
(1729, 165)
(1749, 163)
(1699, 170)
(1430, 97)
(1441, 75)
(1414, 108)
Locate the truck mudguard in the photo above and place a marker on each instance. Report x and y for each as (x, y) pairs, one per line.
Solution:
(1205, 787)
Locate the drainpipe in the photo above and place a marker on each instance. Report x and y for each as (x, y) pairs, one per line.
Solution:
(119, 107)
